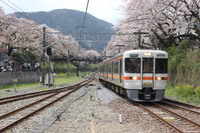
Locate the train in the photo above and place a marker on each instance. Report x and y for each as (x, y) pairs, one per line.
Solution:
(141, 75)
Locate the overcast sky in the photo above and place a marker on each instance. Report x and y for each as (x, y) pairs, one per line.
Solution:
(108, 10)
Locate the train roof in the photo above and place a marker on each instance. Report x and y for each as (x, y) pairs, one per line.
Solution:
(144, 51)
(137, 51)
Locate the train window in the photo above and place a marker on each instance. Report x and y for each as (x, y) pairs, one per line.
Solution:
(112, 67)
(104, 71)
(116, 70)
(132, 65)
(161, 65)
(120, 70)
(109, 68)
(147, 65)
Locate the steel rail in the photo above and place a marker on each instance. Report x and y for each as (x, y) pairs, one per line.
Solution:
(74, 88)
(26, 106)
(157, 117)
(184, 108)
(32, 93)
(32, 113)
(9, 99)
(26, 97)
(177, 115)
(31, 104)
(173, 101)
(19, 109)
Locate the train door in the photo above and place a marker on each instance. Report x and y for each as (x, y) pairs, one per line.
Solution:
(107, 71)
(120, 70)
(112, 70)
(147, 72)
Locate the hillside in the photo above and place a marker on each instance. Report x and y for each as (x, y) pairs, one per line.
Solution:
(67, 21)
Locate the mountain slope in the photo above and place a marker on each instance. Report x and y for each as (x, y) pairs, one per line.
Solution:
(69, 21)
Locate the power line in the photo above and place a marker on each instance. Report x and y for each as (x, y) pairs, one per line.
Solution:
(15, 5)
(83, 24)
(15, 8)
(9, 5)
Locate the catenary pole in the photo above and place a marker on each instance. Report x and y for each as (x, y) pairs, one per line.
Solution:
(43, 52)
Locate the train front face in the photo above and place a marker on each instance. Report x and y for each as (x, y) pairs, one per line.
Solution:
(145, 75)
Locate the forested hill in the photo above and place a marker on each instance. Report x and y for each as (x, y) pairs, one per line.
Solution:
(68, 21)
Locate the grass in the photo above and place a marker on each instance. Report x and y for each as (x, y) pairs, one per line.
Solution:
(20, 86)
(40, 89)
(59, 79)
(63, 79)
(182, 94)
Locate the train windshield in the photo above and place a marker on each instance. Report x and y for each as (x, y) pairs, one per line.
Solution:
(147, 65)
(161, 65)
(132, 65)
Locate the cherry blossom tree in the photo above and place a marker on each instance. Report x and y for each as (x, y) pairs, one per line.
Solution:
(176, 20)
(167, 22)
(23, 34)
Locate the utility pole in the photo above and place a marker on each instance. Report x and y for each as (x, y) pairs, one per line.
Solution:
(68, 64)
(49, 72)
(43, 52)
(120, 47)
(139, 39)
(104, 55)
(77, 71)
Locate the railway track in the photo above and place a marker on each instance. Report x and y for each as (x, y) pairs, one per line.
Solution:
(14, 117)
(177, 118)
(15, 98)
(189, 106)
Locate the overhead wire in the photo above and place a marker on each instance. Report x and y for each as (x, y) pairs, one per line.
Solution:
(84, 19)
(25, 15)
(83, 24)
(9, 5)
(22, 13)
(15, 5)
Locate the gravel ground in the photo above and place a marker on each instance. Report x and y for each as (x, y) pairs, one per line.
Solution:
(92, 109)
(98, 112)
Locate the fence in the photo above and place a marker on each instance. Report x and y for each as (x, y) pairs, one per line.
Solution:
(6, 78)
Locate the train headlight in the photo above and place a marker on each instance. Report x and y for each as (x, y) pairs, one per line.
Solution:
(147, 54)
(135, 78)
(159, 78)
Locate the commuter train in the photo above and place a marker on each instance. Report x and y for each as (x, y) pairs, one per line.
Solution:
(141, 75)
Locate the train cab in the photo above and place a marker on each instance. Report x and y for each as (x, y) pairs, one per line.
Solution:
(141, 74)
(145, 74)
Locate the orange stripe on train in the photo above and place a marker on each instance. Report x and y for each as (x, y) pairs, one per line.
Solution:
(134, 77)
(144, 78)
(111, 60)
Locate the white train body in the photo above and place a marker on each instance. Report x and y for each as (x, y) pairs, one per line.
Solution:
(140, 74)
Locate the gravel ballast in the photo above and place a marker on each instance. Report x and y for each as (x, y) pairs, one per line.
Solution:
(92, 109)
(98, 111)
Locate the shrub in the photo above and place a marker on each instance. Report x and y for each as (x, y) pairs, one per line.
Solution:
(185, 90)
(184, 66)
(197, 91)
